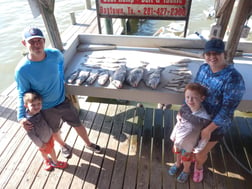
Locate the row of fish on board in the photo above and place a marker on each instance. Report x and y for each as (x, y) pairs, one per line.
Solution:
(103, 69)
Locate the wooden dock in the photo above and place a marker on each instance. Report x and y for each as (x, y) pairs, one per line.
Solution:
(136, 147)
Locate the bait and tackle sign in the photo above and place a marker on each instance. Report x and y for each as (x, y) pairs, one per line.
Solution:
(157, 9)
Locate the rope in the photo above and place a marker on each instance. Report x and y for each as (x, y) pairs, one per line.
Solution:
(235, 158)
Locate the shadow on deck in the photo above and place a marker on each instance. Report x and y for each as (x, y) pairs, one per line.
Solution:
(136, 152)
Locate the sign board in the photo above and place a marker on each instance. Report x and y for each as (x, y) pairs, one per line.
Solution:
(155, 9)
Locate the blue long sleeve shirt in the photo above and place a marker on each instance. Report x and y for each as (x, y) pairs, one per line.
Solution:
(225, 91)
(45, 77)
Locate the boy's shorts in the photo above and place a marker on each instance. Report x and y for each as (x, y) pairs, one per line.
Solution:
(185, 156)
(48, 147)
(65, 111)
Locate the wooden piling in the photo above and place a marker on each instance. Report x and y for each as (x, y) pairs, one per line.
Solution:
(243, 10)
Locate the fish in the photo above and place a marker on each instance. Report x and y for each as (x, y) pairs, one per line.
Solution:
(152, 78)
(119, 76)
(92, 77)
(103, 77)
(73, 76)
(134, 76)
(82, 76)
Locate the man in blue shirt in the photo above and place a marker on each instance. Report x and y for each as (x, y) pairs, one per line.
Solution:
(42, 70)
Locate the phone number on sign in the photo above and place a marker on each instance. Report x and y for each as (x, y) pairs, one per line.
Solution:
(164, 11)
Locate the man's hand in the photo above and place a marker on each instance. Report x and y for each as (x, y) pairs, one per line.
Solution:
(27, 125)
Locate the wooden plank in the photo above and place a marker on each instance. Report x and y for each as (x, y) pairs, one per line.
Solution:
(219, 172)
(7, 108)
(92, 24)
(237, 178)
(209, 179)
(85, 163)
(79, 156)
(143, 180)
(114, 141)
(15, 156)
(8, 132)
(10, 144)
(68, 173)
(74, 30)
(237, 142)
(117, 179)
(156, 156)
(245, 134)
(109, 155)
(169, 122)
(97, 159)
(33, 176)
(10, 91)
(79, 163)
(21, 169)
(131, 173)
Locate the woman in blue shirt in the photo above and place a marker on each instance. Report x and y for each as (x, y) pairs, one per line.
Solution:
(225, 90)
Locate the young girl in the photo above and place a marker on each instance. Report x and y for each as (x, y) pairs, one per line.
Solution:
(41, 133)
(185, 134)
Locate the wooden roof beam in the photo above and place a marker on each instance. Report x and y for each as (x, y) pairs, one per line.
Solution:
(46, 9)
(223, 14)
(243, 11)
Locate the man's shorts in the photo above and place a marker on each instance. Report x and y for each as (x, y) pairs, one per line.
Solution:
(48, 147)
(65, 111)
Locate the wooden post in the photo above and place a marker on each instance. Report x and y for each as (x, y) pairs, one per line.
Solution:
(124, 25)
(88, 4)
(242, 13)
(73, 19)
(109, 25)
(46, 9)
(224, 14)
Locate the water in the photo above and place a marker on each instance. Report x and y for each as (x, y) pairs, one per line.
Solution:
(197, 21)
(15, 15)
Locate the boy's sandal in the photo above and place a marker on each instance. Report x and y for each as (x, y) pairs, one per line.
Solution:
(183, 177)
(173, 170)
(47, 165)
(60, 165)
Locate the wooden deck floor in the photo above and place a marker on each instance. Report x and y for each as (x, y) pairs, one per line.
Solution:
(135, 141)
(136, 151)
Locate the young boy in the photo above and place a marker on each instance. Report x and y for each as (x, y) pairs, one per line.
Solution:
(41, 133)
(186, 133)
